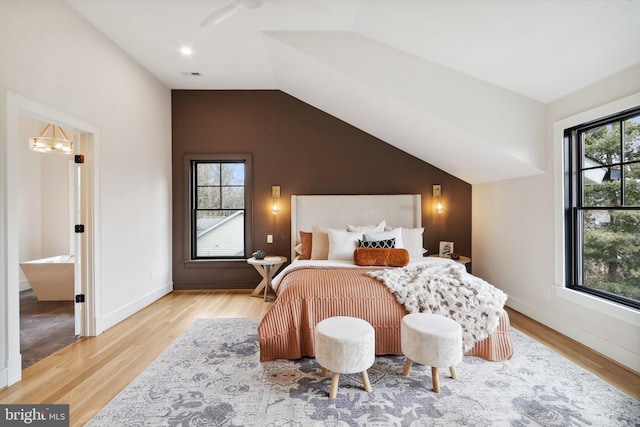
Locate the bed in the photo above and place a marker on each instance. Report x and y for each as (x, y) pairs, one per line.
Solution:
(331, 284)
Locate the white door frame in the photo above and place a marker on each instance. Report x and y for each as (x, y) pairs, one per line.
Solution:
(14, 105)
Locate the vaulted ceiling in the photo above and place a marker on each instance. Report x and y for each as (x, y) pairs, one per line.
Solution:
(460, 84)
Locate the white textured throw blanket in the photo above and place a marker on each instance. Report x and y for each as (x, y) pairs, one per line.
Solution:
(447, 289)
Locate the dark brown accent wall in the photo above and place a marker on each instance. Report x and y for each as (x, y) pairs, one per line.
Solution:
(305, 151)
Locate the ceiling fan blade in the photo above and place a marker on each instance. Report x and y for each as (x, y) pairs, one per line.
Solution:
(221, 14)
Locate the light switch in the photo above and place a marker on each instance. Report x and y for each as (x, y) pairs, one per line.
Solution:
(269, 238)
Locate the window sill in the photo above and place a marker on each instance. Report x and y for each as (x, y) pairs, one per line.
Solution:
(214, 263)
(608, 308)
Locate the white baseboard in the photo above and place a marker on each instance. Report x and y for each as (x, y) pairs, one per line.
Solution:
(611, 350)
(117, 316)
(24, 285)
(14, 365)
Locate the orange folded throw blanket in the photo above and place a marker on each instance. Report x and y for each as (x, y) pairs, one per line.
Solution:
(387, 257)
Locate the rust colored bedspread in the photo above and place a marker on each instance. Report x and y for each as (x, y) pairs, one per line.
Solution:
(308, 295)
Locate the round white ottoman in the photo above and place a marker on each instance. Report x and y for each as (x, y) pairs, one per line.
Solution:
(431, 340)
(345, 345)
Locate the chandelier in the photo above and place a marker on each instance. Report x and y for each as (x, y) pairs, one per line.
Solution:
(46, 144)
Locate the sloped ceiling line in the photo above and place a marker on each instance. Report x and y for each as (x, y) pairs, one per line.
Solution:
(408, 110)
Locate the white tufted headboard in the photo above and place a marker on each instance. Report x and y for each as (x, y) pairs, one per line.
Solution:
(398, 210)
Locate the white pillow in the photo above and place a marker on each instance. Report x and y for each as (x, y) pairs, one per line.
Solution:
(395, 233)
(368, 228)
(319, 243)
(412, 240)
(298, 248)
(342, 244)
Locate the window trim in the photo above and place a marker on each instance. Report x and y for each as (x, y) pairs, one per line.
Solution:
(575, 203)
(189, 261)
(563, 251)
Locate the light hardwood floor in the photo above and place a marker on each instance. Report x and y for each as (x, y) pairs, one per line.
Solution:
(89, 373)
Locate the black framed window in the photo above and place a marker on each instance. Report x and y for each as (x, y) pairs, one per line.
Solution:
(219, 207)
(602, 212)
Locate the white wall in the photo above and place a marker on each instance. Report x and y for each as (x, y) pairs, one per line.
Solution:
(72, 68)
(29, 197)
(517, 224)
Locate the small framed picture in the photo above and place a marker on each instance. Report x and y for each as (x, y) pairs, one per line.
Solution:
(446, 248)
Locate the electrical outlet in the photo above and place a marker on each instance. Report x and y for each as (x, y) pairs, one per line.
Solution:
(269, 238)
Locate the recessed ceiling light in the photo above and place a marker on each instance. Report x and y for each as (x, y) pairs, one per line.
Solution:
(186, 51)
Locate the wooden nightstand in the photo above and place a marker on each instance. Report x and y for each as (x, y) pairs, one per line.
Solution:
(267, 268)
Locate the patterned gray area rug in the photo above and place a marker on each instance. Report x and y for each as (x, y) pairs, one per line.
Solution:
(211, 376)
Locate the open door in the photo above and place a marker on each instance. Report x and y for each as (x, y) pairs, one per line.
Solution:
(82, 229)
(77, 240)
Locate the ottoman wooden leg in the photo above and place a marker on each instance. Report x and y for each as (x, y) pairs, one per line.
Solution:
(435, 379)
(323, 372)
(454, 373)
(407, 367)
(334, 385)
(365, 380)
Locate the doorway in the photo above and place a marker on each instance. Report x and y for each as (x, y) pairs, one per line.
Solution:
(84, 212)
(46, 198)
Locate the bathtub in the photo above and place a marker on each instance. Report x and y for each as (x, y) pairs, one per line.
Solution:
(51, 278)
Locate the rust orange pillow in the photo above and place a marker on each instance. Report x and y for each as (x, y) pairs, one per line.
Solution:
(384, 257)
(305, 240)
